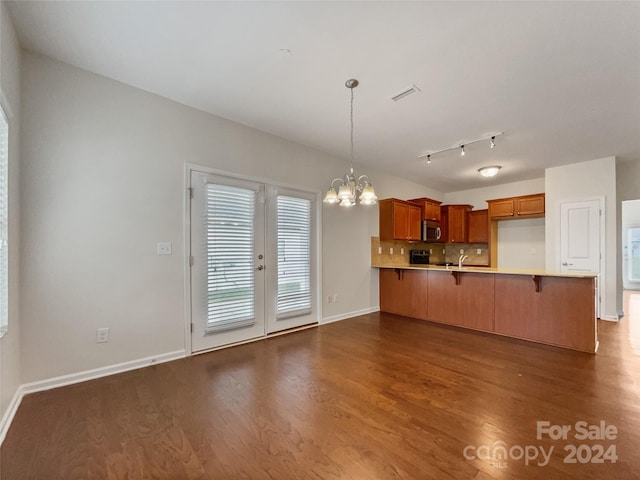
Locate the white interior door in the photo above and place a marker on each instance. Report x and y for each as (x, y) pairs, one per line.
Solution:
(580, 236)
(227, 261)
(580, 245)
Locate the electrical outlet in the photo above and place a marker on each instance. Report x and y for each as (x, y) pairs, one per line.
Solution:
(390, 250)
(335, 298)
(479, 251)
(444, 251)
(164, 248)
(462, 251)
(402, 251)
(102, 335)
(430, 251)
(379, 250)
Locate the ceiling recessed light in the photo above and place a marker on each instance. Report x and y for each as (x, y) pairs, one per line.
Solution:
(490, 171)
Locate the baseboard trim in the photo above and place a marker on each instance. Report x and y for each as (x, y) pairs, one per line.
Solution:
(344, 316)
(10, 412)
(78, 377)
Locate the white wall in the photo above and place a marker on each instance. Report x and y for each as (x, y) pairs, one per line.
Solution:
(521, 244)
(516, 239)
(478, 196)
(10, 59)
(103, 182)
(591, 179)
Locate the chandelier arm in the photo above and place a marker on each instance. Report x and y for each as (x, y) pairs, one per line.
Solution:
(336, 180)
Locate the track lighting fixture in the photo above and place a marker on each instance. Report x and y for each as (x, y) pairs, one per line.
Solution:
(491, 137)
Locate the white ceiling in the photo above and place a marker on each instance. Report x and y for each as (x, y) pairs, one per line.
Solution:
(562, 80)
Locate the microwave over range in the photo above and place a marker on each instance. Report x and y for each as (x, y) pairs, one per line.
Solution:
(431, 231)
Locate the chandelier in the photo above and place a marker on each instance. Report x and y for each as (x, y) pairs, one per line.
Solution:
(349, 187)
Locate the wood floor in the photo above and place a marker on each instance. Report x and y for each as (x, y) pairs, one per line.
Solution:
(374, 397)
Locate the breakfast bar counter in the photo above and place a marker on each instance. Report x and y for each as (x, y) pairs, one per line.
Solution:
(554, 308)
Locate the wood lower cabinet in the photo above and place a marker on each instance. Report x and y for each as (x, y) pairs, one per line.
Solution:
(404, 292)
(399, 220)
(554, 310)
(464, 299)
(555, 314)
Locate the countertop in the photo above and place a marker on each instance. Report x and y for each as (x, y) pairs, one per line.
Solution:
(504, 271)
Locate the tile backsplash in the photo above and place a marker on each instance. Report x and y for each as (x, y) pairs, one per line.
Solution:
(400, 255)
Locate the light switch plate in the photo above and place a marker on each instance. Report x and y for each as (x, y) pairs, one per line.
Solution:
(164, 248)
(390, 250)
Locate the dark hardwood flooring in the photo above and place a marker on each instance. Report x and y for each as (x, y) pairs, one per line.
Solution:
(374, 397)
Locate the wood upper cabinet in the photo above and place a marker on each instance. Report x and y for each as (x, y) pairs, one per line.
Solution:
(455, 223)
(478, 226)
(530, 205)
(399, 220)
(526, 206)
(430, 208)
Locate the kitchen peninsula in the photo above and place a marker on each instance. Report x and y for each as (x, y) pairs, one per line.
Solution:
(554, 308)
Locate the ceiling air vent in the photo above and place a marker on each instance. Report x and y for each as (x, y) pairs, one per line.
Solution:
(405, 92)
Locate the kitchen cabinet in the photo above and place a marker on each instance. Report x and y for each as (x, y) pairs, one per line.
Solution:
(555, 313)
(525, 206)
(430, 208)
(399, 220)
(404, 292)
(454, 223)
(461, 299)
(478, 226)
(550, 308)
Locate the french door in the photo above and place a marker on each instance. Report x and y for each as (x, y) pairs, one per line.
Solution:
(252, 260)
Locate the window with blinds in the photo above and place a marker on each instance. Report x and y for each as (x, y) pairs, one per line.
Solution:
(294, 257)
(230, 272)
(4, 222)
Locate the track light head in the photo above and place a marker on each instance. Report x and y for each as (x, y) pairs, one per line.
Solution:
(462, 154)
(493, 141)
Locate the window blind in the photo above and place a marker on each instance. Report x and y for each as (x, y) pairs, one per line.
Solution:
(294, 256)
(4, 222)
(230, 270)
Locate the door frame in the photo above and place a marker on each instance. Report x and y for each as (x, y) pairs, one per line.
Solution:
(186, 242)
(601, 278)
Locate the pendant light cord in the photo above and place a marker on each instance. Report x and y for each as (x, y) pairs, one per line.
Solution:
(351, 121)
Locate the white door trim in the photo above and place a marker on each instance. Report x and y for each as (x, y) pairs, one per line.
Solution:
(186, 221)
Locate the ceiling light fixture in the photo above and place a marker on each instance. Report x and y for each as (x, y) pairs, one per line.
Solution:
(349, 186)
(490, 171)
(461, 145)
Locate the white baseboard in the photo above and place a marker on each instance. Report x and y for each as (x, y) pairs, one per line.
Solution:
(10, 412)
(78, 377)
(344, 316)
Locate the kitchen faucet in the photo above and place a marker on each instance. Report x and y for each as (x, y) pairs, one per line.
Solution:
(461, 259)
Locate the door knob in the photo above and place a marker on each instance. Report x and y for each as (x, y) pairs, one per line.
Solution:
(260, 267)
